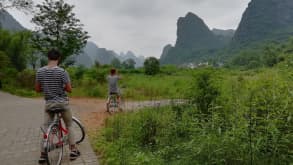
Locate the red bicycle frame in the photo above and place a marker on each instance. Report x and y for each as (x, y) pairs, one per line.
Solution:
(63, 133)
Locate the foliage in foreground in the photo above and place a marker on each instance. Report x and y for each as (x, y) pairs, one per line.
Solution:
(249, 122)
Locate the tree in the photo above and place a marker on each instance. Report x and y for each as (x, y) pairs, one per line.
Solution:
(204, 91)
(4, 60)
(33, 58)
(57, 27)
(247, 59)
(19, 49)
(270, 56)
(151, 66)
(116, 63)
(16, 47)
(128, 64)
(24, 5)
(97, 64)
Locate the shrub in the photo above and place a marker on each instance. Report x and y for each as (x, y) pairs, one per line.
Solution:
(26, 79)
(204, 91)
(151, 66)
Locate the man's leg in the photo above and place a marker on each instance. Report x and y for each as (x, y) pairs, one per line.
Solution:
(67, 117)
(47, 119)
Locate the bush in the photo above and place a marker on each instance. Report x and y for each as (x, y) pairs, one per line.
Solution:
(204, 91)
(151, 66)
(26, 79)
(79, 72)
(95, 92)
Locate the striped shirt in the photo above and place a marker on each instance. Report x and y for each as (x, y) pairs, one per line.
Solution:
(52, 81)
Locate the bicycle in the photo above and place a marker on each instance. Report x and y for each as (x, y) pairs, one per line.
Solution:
(56, 137)
(112, 104)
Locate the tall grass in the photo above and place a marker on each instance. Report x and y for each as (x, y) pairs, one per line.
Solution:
(250, 122)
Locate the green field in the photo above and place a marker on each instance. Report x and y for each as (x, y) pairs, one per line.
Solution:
(237, 117)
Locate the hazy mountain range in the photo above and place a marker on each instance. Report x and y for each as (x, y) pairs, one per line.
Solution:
(91, 52)
(262, 21)
(8, 22)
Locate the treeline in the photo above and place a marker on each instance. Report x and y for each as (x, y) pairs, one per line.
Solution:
(264, 55)
(15, 50)
(16, 55)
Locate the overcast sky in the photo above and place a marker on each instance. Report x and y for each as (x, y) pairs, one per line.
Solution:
(146, 26)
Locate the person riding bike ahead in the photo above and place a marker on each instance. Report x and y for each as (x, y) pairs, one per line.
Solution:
(113, 85)
(54, 82)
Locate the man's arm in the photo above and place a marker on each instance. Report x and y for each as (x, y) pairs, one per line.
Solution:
(68, 87)
(37, 83)
(38, 87)
(67, 82)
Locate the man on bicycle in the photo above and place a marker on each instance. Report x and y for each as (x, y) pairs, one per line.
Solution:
(54, 82)
(113, 85)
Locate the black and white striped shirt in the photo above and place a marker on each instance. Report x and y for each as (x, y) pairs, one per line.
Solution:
(52, 81)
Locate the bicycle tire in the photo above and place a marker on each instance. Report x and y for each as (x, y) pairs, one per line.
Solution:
(79, 131)
(113, 105)
(53, 138)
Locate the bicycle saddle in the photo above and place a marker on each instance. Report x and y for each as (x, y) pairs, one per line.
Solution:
(55, 110)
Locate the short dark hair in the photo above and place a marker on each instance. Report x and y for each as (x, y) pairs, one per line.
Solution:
(54, 54)
(113, 71)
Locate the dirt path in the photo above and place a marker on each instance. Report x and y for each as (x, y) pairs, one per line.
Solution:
(93, 111)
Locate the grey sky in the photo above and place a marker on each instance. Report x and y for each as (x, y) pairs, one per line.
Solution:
(146, 26)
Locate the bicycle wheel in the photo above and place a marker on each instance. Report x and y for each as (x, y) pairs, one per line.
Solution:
(79, 132)
(54, 145)
(113, 106)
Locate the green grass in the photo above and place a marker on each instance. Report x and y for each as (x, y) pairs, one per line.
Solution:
(135, 85)
(253, 106)
(142, 87)
(21, 91)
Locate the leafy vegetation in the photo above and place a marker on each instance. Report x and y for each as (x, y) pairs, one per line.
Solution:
(127, 64)
(14, 51)
(236, 115)
(249, 121)
(58, 28)
(264, 55)
(151, 66)
(92, 82)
